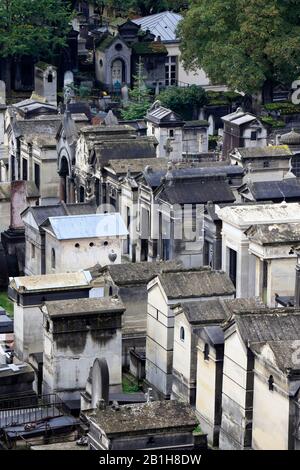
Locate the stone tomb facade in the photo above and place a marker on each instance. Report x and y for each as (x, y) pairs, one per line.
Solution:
(75, 333)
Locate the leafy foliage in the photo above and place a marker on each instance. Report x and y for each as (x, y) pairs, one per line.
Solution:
(144, 7)
(244, 43)
(184, 101)
(139, 97)
(33, 27)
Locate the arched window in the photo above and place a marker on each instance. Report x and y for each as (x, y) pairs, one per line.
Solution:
(110, 291)
(206, 352)
(271, 383)
(53, 262)
(50, 78)
(182, 333)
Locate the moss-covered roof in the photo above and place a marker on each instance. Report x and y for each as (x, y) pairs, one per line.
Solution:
(145, 48)
(106, 43)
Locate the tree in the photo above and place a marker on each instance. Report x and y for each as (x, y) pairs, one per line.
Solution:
(142, 7)
(247, 44)
(184, 101)
(33, 27)
(139, 96)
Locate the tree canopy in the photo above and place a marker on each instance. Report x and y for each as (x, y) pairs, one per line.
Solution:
(184, 101)
(143, 7)
(243, 43)
(33, 27)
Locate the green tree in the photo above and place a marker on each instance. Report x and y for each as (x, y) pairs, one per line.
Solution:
(139, 97)
(247, 44)
(33, 27)
(142, 7)
(185, 101)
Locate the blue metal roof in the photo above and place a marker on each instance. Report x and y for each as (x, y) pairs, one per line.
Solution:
(88, 226)
(161, 24)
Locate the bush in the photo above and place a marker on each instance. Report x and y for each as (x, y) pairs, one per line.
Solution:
(184, 101)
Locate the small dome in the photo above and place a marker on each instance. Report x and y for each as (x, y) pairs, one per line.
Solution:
(291, 138)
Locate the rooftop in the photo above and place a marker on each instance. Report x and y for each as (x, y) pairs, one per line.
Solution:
(161, 114)
(136, 273)
(144, 417)
(265, 234)
(215, 311)
(246, 215)
(191, 170)
(42, 213)
(281, 324)
(285, 189)
(87, 226)
(239, 117)
(76, 307)
(269, 151)
(50, 281)
(203, 282)
(162, 24)
(282, 352)
(197, 191)
(135, 165)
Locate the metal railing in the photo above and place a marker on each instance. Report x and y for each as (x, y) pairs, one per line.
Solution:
(30, 409)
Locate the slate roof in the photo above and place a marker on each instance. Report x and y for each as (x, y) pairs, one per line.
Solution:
(276, 325)
(140, 418)
(285, 189)
(37, 127)
(153, 178)
(135, 165)
(87, 226)
(203, 282)
(269, 151)
(283, 352)
(124, 149)
(199, 191)
(274, 233)
(136, 273)
(162, 24)
(215, 311)
(42, 213)
(89, 306)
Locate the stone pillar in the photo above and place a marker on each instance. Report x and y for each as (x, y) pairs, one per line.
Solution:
(62, 189)
(297, 283)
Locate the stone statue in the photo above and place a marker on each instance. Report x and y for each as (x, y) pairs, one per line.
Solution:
(2, 92)
(125, 94)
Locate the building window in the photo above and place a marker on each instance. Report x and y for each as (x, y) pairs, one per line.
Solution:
(105, 243)
(32, 251)
(171, 133)
(110, 291)
(118, 47)
(271, 383)
(53, 261)
(25, 169)
(253, 135)
(81, 194)
(232, 255)
(153, 130)
(266, 164)
(77, 245)
(37, 175)
(171, 70)
(182, 333)
(91, 244)
(50, 78)
(206, 352)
